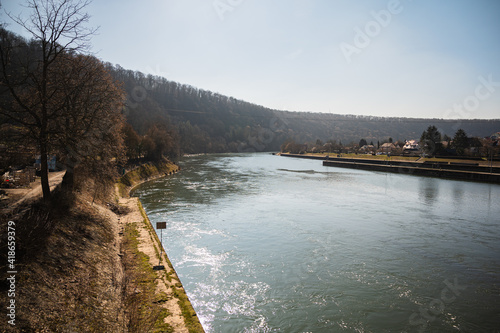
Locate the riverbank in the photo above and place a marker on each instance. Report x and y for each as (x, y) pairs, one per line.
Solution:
(144, 173)
(441, 168)
(84, 262)
(165, 287)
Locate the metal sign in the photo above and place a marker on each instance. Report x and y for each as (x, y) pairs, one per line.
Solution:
(160, 226)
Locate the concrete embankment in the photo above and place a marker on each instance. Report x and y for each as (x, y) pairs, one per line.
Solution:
(449, 170)
(408, 169)
(168, 287)
(312, 157)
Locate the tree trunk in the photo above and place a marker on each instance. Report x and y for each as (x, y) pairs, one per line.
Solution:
(68, 179)
(44, 171)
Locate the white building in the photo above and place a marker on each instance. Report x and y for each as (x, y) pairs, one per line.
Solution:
(411, 145)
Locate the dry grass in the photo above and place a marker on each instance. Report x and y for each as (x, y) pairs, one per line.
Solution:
(76, 275)
(69, 279)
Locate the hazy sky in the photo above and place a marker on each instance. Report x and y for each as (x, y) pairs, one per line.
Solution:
(410, 58)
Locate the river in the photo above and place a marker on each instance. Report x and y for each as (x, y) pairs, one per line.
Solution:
(264, 243)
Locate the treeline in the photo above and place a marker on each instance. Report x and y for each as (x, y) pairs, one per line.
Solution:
(434, 143)
(431, 143)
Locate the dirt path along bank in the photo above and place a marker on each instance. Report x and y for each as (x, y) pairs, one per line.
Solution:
(168, 290)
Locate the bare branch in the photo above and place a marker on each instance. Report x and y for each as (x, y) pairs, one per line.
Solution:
(45, 89)
(59, 24)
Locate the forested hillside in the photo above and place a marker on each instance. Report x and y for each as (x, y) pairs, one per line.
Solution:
(203, 121)
(167, 118)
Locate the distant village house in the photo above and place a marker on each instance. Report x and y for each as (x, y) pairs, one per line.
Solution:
(387, 148)
(367, 149)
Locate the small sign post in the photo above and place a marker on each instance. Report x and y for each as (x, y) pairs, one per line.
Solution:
(160, 226)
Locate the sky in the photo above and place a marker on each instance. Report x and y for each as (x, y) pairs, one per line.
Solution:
(402, 58)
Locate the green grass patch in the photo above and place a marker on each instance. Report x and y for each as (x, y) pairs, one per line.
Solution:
(160, 325)
(154, 236)
(368, 156)
(482, 162)
(143, 305)
(190, 317)
(145, 314)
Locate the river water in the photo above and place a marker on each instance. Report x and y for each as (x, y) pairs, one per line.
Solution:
(265, 243)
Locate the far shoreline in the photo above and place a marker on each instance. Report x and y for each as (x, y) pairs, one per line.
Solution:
(429, 167)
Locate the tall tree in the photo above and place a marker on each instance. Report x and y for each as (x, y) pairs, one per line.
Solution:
(88, 126)
(460, 142)
(431, 140)
(160, 142)
(132, 142)
(57, 29)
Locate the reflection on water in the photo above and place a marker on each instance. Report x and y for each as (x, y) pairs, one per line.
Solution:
(458, 192)
(266, 244)
(429, 190)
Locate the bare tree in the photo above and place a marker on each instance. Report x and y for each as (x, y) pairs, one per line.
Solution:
(89, 125)
(29, 70)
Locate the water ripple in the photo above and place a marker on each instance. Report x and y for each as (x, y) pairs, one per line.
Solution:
(270, 244)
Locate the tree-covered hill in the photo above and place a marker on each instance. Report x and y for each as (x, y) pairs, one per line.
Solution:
(211, 122)
(168, 118)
